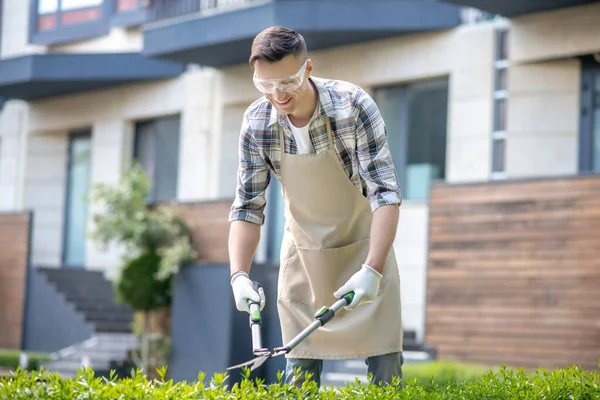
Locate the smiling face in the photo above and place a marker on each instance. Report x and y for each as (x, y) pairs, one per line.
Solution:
(285, 82)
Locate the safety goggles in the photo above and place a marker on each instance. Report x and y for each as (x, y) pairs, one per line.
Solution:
(287, 84)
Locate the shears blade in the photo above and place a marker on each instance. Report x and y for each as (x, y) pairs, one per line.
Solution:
(255, 362)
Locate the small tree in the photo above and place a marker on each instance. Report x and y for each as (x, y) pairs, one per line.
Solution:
(155, 239)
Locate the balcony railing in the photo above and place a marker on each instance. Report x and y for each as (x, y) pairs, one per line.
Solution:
(158, 10)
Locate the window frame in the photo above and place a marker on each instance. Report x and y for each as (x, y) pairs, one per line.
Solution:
(400, 151)
(135, 154)
(61, 34)
(590, 69)
(498, 144)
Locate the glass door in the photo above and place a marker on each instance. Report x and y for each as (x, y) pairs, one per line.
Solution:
(415, 117)
(76, 210)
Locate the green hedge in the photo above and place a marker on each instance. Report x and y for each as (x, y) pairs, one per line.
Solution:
(10, 359)
(558, 384)
(443, 372)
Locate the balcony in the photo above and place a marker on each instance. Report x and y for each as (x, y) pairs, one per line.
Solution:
(515, 8)
(219, 33)
(39, 76)
(54, 22)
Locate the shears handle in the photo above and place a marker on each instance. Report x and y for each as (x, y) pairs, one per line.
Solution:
(255, 321)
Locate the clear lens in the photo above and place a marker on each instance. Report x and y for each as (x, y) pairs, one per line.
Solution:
(283, 85)
(271, 87)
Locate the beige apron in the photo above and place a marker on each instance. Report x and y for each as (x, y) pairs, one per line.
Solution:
(326, 241)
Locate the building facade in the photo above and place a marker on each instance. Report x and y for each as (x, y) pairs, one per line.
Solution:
(90, 85)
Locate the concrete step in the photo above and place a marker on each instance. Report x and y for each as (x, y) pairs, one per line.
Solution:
(125, 338)
(97, 352)
(112, 326)
(102, 315)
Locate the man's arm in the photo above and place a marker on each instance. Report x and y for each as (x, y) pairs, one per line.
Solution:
(247, 211)
(377, 169)
(243, 241)
(383, 233)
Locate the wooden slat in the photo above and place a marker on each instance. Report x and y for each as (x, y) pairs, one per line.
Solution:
(14, 249)
(210, 228)
(513, 191)
(514, 272)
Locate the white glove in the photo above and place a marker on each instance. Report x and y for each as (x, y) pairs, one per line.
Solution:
(243, 290)
(364, 284)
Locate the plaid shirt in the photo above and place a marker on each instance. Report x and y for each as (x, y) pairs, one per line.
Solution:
(359, 137)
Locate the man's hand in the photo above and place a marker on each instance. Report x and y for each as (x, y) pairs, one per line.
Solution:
(243, 290)
(364, 284)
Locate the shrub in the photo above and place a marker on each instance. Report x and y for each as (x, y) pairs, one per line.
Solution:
(568, 383)
(156, 243)
(10, 359)
(138, 287)
(442, 372)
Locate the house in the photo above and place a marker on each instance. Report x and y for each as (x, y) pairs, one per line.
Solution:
(471, 91)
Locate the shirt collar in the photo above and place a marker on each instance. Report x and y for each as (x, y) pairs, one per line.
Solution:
(324, 104)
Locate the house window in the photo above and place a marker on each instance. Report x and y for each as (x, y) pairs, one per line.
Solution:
(156, 148)
(589, 143)
(60, 21)
(415, 117)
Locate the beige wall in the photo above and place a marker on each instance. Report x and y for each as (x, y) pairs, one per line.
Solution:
(13, 145)
(543, 119)
(232, 120)
(15, 29)
(45, 194)
(544, 89)
(562, 33)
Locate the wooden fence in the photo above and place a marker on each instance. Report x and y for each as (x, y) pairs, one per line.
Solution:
(210, 228)
(514, 272)
(14, 260)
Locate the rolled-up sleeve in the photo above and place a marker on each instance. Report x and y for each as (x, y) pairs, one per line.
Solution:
(252, 180)
(375, 160)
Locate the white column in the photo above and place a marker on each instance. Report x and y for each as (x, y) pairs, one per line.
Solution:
(468, 154)
(13, 147)
(46, 179)
(543, 119)
(111, 154)
(200, 137)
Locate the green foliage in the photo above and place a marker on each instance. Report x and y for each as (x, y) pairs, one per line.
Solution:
(10, 359)
(442, 372)
(568, 383)
(123, 217)
(138, 287)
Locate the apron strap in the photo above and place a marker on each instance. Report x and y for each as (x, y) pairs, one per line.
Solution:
(329, 134)
(281, 139)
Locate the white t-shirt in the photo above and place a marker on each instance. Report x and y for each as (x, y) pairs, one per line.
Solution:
(302, 138)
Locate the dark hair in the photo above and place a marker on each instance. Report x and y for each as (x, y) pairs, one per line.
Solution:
(275, 43)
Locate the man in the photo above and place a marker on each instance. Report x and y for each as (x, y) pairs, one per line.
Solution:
(325, 141)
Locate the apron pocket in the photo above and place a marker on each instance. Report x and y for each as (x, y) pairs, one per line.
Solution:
(311, 276)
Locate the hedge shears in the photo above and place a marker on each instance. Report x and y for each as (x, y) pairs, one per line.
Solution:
(321, 317)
